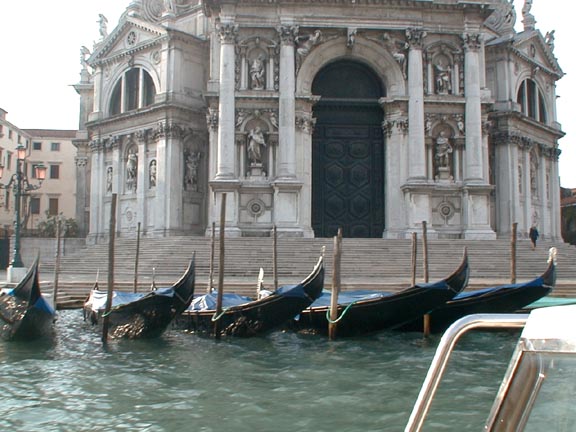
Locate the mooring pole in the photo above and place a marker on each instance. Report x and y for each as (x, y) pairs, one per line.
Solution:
(137, 258)
(414, 257)
(111, 240)
(211, 272)
(275, 257)
(426, 317)
(335, 285)
(220, 268)
(513, 252)
(57, 266)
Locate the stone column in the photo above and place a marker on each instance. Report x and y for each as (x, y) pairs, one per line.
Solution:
(474, 164)
(416, 144)
(555, 219)
(98, 189)
(143, 180)
(287, 105)
(226, 165)
(82, 197)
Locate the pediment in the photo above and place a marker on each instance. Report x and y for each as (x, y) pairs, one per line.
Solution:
(531, 46)
(130, 36)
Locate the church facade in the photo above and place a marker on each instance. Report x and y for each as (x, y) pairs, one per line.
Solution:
(373, 116)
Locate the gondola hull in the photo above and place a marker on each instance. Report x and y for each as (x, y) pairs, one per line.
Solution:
(387, 311)
(147, 315)
(256, 317)
(498, 299)
(25, 315)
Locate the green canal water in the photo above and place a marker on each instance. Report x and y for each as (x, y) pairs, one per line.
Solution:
(282, 382)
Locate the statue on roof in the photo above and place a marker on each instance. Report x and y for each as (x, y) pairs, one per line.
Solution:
(527, 18)
(549, 38)
(103, 22)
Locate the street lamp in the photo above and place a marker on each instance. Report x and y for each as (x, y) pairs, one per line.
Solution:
(20, 185)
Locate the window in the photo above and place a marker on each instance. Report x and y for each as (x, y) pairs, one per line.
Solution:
(55, 146)
(9, 133)
(531, 101)
(54, 171)
(53, 206)
(1, 131)
(133, 91)
(19, 139)
(35, 206)
(36, 145)
(7, 200)
(8, 160)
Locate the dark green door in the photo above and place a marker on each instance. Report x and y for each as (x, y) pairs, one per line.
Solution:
(348, 154)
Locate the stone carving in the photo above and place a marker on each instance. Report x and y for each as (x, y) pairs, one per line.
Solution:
(534, 174)
(443, 150)
(351, 36)
(550, 39)
(131, 170)
(415, 37)
(191, 170)
(256, 142)
(84, 54)
(306, 123)
(398, 49)
(460, 124)
(109, 173)
(503, 18)
(212, 118)
(472, 41)
(257, 73)
(304, 45)
(152, 174)
(527, 18)
(443, 77)
(169, 8)
(228, 32)
(103, 26)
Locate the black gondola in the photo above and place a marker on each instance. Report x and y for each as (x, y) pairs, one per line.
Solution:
(24, 312)
(141, 315)
(248, 317)
(371, 311)
(497, 299)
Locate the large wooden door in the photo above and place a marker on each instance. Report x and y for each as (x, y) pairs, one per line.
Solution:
(348, 154)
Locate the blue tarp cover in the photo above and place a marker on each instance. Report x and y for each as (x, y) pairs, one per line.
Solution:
(476, 293)
(119, 298)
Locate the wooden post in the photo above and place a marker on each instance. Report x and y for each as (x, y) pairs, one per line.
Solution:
(414, 255)
(220, 267)
(275, 257)
(335, 285)
(56, 266)
(111, 240)
(426, 317)
(137, 258)
(211, 272)
(513, 253)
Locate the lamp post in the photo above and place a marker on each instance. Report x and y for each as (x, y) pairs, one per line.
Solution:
(20, 185)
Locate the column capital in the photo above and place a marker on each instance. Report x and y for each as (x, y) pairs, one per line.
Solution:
(415, 37)
(287, 34)
(472, 41)
(228, 32)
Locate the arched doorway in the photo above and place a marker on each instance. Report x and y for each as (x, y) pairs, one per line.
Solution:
(348, 152)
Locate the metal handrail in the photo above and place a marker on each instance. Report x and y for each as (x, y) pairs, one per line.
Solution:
(443, 352)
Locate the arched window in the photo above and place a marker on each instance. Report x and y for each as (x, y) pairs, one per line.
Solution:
(531, 101)
(134, 90)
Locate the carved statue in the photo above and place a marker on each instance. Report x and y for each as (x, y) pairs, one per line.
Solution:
(153, 171)
(191, 170)
(257, 72)
(443, 150)
(84, 53)
(550, 39)
(169, 6)
(443, 78)
(306, 43)
(131, 170)
(397, 48)
(256, 141)
(103, 22)
(109, 179)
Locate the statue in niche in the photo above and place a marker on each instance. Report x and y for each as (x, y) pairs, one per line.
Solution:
(192, 164)
(257, 73)
(152, 174)
(103, 26)
(443, 150)
(109, 179)
(131, 170)
(256, 142)
(443, 75)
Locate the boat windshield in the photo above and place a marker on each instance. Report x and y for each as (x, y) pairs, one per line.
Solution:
(539, 389)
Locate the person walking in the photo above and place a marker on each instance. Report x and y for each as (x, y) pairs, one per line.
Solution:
(533, 234)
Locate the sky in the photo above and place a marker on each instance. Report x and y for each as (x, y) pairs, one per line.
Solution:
(40, 61)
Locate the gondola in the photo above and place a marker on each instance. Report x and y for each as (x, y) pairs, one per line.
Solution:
(24, 312)
(497, 299)
(246, 317)
(364, 312)
(141, 315)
